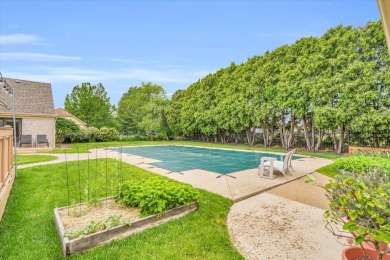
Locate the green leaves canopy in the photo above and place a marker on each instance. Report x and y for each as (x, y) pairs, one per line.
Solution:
(91, 104)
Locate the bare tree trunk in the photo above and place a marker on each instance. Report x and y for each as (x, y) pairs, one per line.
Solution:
(282, 129)
(334, 141)
(291, 135)
(341, 140)
(253, 137)
(250, 134)
(306, 134)
(376, 141)
(236, 138)
(271, 141)
(319, 141)
(266, 137)
(227, 138)
(215, 139)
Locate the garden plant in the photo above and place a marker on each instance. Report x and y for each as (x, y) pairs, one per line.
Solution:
(360, 204)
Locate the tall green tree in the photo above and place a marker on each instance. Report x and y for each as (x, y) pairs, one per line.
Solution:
(141, 109)
(91, 104)
(373, 83)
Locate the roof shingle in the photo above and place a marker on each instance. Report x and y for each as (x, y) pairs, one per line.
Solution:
(30, 97)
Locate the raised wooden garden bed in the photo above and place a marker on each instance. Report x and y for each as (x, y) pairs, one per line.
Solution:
(70, 246)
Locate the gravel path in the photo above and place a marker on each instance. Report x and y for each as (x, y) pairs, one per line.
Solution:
(284, 225)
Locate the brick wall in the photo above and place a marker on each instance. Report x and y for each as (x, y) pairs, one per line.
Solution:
(39, 126)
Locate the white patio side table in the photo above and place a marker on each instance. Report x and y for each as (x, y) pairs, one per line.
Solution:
(271, 168)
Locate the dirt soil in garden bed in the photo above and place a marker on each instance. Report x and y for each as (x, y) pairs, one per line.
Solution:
(78, 217)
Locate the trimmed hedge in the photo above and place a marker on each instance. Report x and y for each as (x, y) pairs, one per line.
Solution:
(156, 195)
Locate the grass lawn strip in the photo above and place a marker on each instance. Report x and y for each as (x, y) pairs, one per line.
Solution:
(27, 159)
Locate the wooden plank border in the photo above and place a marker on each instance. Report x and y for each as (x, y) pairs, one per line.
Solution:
(369, 149)
(106, 236)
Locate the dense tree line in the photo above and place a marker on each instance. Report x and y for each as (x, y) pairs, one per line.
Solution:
(328, 84)
(332, 83)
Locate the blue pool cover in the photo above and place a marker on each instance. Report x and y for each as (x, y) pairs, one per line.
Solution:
(183, 158)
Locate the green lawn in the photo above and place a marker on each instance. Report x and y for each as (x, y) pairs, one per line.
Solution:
(329, 170)
(27, 159)
(27, 230)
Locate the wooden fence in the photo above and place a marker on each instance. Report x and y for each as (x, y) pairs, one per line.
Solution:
(7, 171)
(351, 149)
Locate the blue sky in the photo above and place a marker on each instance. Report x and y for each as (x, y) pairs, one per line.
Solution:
(171, 43)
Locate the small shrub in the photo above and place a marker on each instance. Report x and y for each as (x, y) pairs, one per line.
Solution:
(85, 135)
(133, 138)
(361, 164)
(64, 129)
(328, 150)
(180, 138)
(156, 195)
(107, 134)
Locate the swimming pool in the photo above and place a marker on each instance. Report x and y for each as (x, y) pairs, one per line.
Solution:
(178, 158)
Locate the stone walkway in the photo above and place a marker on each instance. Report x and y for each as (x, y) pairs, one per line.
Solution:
(271, 219)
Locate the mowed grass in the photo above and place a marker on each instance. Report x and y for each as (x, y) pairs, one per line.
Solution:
(27, 230)
(27, 159)
(329, 170)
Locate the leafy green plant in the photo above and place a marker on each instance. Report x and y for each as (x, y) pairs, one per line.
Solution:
(361, 164)
(360, 203)
(93, 227)
(65, 128)
(156, 195)
(107, 134)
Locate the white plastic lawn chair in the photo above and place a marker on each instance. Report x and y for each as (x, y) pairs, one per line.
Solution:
(271, 163)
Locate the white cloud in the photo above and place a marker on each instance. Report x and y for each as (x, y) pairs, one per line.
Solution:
(163, 76)
(72, 74)
(20, 39)
(126, 61)
(30, 56)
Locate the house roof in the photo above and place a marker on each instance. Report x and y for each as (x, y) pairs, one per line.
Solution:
(63, 113)
(31, 97)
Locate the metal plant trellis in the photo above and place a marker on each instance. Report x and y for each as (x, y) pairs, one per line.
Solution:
(82, 181)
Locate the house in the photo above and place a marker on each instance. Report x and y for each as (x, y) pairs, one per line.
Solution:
(34, 109)
(65, 114)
